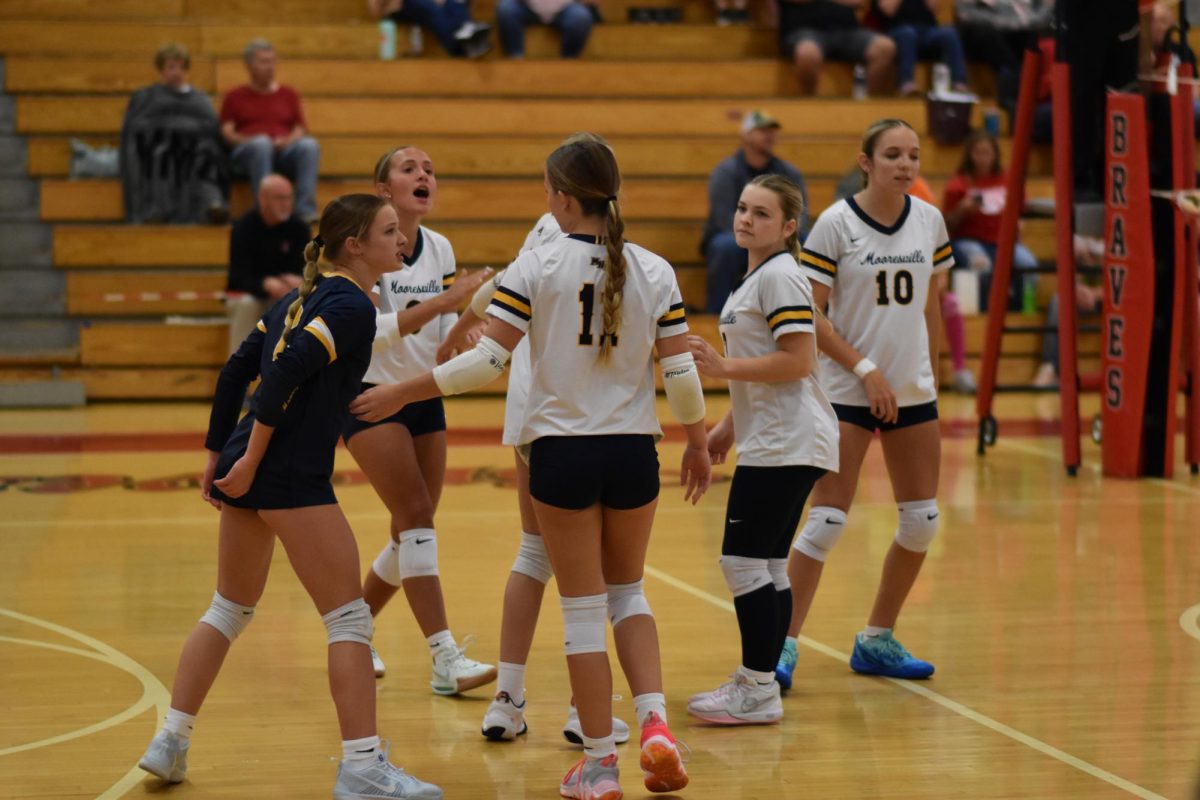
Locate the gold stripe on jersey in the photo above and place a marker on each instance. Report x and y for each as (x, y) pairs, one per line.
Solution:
(798, 315)
(448, 280)
(321, 331)
(674, 316)
(261, 326)
(818, 262)
(512, 302)
(941, 254)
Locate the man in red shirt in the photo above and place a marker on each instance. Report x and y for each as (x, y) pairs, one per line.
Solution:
(264, 124)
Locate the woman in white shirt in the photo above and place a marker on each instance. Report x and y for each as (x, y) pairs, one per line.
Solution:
(786, 435)
(872, 258)
(595, 308)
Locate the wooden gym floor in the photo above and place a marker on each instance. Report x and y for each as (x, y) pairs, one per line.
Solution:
(1063, 616)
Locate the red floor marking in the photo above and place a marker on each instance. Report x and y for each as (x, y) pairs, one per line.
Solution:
(37, 444)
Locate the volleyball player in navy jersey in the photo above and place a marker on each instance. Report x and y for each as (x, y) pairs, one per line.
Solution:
(269, 475)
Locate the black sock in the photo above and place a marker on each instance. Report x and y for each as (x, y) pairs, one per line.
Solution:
(783, 619)
(756, 614)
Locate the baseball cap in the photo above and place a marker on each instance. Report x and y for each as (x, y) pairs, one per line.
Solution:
(758, 119)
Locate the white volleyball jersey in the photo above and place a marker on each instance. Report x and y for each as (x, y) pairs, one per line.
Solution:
(428, 272)
(553, 294)
(777, 424)
(880, 280)
(520, 370)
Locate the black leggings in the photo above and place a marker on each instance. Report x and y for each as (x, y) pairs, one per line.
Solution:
(765, 505)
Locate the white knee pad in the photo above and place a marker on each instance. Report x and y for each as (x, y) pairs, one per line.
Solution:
(387, 564)
(778, 569)
(584, 626)
(626, 600)
(350, 623)
(227, 616)
(418, 553)
(745, 575)
(532, 559)
(918, 525)
(821, 532)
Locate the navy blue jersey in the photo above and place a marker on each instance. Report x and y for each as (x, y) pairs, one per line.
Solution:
(305, 393)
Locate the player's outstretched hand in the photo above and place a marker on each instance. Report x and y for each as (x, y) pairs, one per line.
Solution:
(378, 403)
(239, 479)
(467, 282)
(695, 473)
(206, 482)
(881, 397)
(453, 345)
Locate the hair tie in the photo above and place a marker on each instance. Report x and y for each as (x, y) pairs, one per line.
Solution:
(318, 241)
(612, 198)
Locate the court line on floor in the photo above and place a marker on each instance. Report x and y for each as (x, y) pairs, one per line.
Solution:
(154, 694)
(1189, 620)
(1054, 455)
(929, 694)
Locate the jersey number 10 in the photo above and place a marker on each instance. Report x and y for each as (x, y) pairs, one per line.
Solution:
(902, 290)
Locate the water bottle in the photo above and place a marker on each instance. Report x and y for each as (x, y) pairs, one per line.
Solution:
(416, 40)
(941, 80)
(387, 40)
(1029, 294)
(860, 82)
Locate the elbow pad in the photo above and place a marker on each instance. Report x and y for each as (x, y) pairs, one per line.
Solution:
(483, 296)
(682, 383)
(477, 367)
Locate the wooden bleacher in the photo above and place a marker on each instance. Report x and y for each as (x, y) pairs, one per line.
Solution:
(488, 124)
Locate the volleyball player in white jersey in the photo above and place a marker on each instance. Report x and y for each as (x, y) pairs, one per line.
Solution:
(594, 308)
(505, 717)
(874, 259)
(786, 436)
(404, 456)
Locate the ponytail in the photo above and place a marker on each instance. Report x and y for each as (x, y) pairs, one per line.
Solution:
(312, 255)
(614, 277)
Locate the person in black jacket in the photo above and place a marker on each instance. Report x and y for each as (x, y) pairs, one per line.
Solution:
(266, 257)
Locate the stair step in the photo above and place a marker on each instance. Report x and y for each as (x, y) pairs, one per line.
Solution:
(19, 200)
(33, 293)
(42, 394)
(8, 115)
(13, 156)
(39, 341)
(26, 245)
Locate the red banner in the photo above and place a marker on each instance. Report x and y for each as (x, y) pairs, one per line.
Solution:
(1128, 287)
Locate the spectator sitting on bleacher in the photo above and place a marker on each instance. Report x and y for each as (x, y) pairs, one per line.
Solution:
(812, 30)
(173, 168)
(264, 124)
(973, 201)
(995, 33)
(913, 26)
(448, 20)
(572, 18)
(1089, 300)
(726, 261)
(266, 257)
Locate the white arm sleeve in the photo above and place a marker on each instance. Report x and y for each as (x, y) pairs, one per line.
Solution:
(682, 384)
(483, 296)
(477, 367)
(387, 333)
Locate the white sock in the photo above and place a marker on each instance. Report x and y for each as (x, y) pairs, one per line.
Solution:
(793, 640)
(180, 724)
(360, 753)
(761, 678)
(599, 748)
(654, 702)
(440, 642)
(871, 631)
(511, 679)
